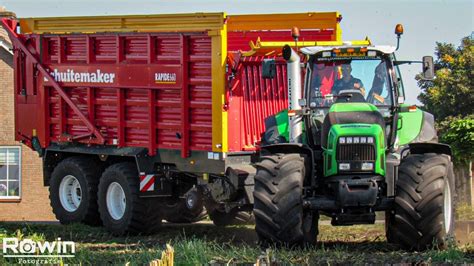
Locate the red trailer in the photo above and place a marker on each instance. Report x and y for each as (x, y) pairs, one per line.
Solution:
(150, 117)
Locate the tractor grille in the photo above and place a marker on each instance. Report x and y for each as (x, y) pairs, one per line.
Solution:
(355, 152)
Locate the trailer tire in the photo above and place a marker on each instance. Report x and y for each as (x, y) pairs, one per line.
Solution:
(73, 191)
(423, 215)
(121, 209)
(278, 208)
(178, 212)
(234, 217)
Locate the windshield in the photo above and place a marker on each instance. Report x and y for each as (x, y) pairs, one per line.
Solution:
(363, 80)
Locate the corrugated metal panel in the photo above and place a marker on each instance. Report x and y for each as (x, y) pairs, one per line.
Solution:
(136, 48)
(76, 49)
(105, 48)
(200, 92)
(252, 99)
(132, 113)
(239, 41)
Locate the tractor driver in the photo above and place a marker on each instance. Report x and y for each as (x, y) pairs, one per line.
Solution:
(347, 82)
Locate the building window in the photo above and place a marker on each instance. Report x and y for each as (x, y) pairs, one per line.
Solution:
(10, 172)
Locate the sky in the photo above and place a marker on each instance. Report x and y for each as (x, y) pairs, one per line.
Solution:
(425, 22)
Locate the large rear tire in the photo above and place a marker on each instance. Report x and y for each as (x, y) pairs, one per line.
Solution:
(423, 216)
(73, 191)
(278, 207)
(121, 209)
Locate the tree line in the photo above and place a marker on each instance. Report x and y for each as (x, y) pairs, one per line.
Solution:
(450, 97)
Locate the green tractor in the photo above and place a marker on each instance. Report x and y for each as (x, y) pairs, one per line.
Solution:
(348, 147)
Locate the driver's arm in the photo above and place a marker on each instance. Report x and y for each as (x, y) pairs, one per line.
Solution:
(359, 86)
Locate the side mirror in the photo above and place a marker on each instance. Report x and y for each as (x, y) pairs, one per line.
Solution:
(268, 68)
(428, 68)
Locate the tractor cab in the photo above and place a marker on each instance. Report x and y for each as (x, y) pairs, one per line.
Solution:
(350, 94)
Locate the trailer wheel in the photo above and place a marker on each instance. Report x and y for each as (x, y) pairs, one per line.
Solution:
(278, 207)
(178, 212)
(73, 191)
(120, 208)
(423, 216)
(234, 217)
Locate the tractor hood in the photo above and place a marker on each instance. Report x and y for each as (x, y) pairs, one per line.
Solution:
(352, 135)
(353, 107)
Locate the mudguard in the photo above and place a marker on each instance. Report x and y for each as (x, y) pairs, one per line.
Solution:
(292, 148)
(420, 148)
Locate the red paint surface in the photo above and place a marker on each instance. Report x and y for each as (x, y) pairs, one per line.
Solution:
(251, 98)
(132, 106)
(148, 90)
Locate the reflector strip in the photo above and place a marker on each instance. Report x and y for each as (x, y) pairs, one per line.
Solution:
(147, 183)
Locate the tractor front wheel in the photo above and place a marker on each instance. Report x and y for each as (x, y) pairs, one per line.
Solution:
(423, 215)
(278, 208)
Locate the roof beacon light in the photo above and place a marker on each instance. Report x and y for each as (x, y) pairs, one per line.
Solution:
(295, 33)
(399, 29)
(398, 32)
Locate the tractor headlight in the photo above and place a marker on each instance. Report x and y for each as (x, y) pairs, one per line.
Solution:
(363, 139)
(342, 140)
(344, 166)
(370, 140)
(349, 140)
(367, 166)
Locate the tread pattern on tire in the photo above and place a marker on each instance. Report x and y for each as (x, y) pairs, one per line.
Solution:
(91, 171)
(278, 205)
(417, 221)
(145, 212)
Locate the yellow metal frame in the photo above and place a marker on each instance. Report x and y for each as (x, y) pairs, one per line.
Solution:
(130, 23)
(219, 115)
(274, 48)
(310, 20)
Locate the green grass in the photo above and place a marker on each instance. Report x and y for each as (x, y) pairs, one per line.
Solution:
(205, 243)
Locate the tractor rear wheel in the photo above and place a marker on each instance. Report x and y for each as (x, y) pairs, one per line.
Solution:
(278, 208)
(423, 215)
(121, 209)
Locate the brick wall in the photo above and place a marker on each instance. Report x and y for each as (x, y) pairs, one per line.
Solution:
(34, 202)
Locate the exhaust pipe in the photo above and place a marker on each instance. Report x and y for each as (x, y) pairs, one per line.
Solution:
(294, 93)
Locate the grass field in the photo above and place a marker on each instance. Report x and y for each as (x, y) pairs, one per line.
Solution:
(206, 243)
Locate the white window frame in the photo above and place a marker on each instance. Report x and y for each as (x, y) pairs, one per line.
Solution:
(19, 174)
